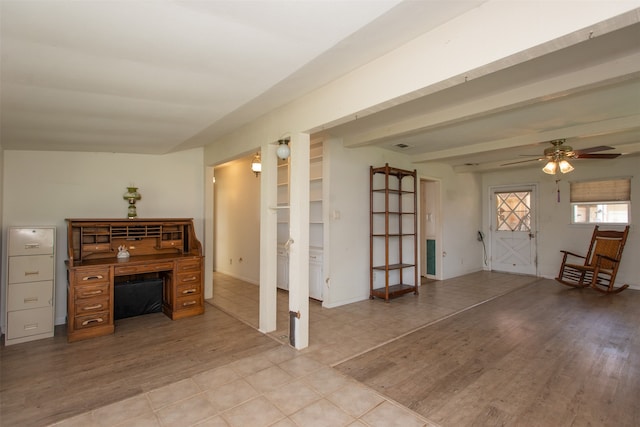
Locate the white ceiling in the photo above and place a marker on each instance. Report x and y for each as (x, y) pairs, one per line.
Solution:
(160, 76)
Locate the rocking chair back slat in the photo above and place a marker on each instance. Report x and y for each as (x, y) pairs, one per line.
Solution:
(609, 248)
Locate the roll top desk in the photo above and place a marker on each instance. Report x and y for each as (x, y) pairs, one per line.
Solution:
(162, 248)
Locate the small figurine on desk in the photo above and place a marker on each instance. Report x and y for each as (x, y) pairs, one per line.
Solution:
(123, 252)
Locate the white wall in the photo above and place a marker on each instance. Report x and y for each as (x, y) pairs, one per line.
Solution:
(349, 235)
(44, 188)
(554, 229)
(237, 220)
(461, 205)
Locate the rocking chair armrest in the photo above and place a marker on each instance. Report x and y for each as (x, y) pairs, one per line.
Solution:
(599, 257)
(572, 254)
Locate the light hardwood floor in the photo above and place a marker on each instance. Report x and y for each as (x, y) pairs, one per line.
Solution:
(544, 355)
(469, 351)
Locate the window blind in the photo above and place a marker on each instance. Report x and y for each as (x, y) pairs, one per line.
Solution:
(612, 190)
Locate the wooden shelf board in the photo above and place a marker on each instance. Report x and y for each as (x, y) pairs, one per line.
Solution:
(394, 235)
(392, 191)
(393, 267)
(394, 290)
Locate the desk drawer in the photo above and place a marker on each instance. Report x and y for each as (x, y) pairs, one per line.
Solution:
(188, 289)
(86, 276)
(164, 244)
(91, 320)
(143, 268)
(92, 305)
(188, 302)
(96, 247)
(188, 265)
(189, 278)
(92, 291)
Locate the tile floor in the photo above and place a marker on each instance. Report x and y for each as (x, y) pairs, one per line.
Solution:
(285, 387)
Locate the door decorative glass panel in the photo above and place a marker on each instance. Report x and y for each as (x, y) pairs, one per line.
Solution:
(513, 211)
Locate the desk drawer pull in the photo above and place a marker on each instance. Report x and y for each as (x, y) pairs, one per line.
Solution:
(97, 319)
(188, 303)
(31, 273)
(93, 307)
(189, 279)
(30, 299)
(96, 292)
(32, 245)
(189, 291)
(96, 277)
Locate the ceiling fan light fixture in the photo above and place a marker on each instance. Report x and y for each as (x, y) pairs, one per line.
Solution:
(551, 167)
(565, 166)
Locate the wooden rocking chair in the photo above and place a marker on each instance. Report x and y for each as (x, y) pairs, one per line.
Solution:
(600, 264)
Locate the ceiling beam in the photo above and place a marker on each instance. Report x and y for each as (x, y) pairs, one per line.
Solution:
(580, 80)
(604, 126)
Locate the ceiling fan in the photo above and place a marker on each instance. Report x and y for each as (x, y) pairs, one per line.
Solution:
(558, 155)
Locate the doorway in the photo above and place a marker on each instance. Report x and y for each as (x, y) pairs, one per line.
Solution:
(235, 216)
(430, 230)
(513, 236)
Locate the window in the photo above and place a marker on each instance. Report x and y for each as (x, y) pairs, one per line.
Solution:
(513, 211)
(601, 202)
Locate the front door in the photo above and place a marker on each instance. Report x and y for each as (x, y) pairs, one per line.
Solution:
(513, 231)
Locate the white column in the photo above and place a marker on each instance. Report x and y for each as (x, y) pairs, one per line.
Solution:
(268, 238)
(299, 235)
(209, 238)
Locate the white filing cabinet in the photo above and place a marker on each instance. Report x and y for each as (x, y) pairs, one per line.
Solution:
(30, 284)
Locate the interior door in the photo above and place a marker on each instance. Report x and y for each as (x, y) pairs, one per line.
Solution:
(513, 231)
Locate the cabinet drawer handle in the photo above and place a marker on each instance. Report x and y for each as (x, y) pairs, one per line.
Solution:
(190, 279)
(31, 326)
(188, 303)
(31, 273)
(30, 299)
(189, 291)
(98, 320)
(93, 307)
(97, 292)
(32, 245)
(96, 277)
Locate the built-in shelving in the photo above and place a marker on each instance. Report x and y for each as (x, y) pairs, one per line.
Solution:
(316, 219)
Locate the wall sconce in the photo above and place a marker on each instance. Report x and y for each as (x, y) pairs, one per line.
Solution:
(132, 196)
(256, 165)
(553, 165)
(283, 150)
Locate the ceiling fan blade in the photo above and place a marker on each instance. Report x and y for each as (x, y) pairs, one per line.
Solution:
(597, 156)
(521, 161)
(592, 149)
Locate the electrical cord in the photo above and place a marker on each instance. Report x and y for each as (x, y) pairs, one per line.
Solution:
(484, 248)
